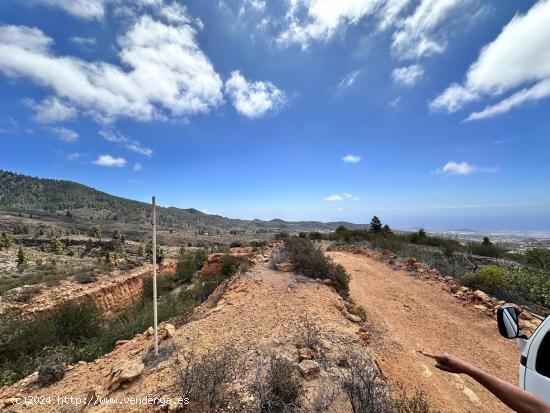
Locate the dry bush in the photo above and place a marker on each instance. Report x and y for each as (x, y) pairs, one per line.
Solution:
(85, 278)
(363, 386)
(277, 385)
(415, 404)
(324, 397)
(309, 334)
(368, 393)
(205, 379)
(359, 311)
(26, 294)
(52, 370)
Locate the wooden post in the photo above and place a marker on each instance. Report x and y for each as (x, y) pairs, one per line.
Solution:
(155, 278)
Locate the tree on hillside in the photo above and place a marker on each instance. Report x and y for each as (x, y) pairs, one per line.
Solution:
(386, 229)
(375, 224)
(95, 232)
(21, 258)
(486, 241)
(5, 240)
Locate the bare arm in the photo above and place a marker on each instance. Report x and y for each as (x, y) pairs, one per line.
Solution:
(512, 396)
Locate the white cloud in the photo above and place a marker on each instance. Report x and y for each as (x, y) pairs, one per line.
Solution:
(423, 33)
(253, 99)
(539, 91)
(83, 41)
(85, 9)
(351, 158)
(320, 20)
(390, 13)
(519, 56)
(334, 198)
(408, 75)
(252, 5)
(163, 72)
(65, 134)
(349, 79)
(51, 110)
(460, 168)
(108, 160)
(130, 144)
(341, 197)
(138, 167)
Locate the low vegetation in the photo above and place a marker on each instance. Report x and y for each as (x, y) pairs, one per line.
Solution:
(311, 262)
(515, 283)
(523, 278)
(75, 332)
(367, 392)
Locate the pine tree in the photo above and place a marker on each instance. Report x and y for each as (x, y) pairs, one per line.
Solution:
(21, 258)
(486, 241)
(375, 224)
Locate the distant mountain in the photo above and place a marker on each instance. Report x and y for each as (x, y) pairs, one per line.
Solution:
(62, 197)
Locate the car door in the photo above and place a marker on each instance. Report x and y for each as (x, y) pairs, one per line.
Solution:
(537, 371)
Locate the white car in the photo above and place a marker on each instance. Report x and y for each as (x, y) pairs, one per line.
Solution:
(534, 369)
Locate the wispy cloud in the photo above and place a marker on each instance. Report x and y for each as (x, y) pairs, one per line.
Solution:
(110, 161)
(74, 156)
(51, 110)
(138, 167)
(341, 197)
(461, 168)
(349, 158)
(349, 79)
(130, 144)
(83, 41)
(65, 134)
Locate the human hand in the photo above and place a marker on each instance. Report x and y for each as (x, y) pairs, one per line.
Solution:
(449, 363)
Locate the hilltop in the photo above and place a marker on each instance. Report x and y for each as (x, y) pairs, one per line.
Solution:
(62, 198)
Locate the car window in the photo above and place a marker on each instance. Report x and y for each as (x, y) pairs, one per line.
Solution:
(543, 357)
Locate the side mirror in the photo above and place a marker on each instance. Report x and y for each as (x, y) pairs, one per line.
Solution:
(507, 319)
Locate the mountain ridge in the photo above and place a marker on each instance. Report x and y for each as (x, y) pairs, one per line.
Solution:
(60, 196)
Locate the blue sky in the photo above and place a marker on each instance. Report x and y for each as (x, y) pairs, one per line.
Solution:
(427, 113)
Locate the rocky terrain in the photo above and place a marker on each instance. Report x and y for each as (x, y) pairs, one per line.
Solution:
(256, 314)
(411, 307)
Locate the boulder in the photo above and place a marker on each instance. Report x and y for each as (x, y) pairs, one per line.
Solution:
(482, 296)
(309, 369)
(149, 332)
(285, 266)
(170, 330)
(327, 281)
(125, 371)
(353, 318)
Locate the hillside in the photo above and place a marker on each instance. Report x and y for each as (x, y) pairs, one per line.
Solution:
(59, 197)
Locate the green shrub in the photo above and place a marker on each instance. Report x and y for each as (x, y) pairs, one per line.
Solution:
(74, 322)
(52, 370)
(486, 249)
(538, 257)
(311, 262)
(489, 278)
(186, 266)
(230, 265)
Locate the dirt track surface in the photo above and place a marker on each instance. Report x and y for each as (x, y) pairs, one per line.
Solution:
(407, 314)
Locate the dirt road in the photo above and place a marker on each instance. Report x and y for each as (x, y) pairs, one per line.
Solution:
(407, 313)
